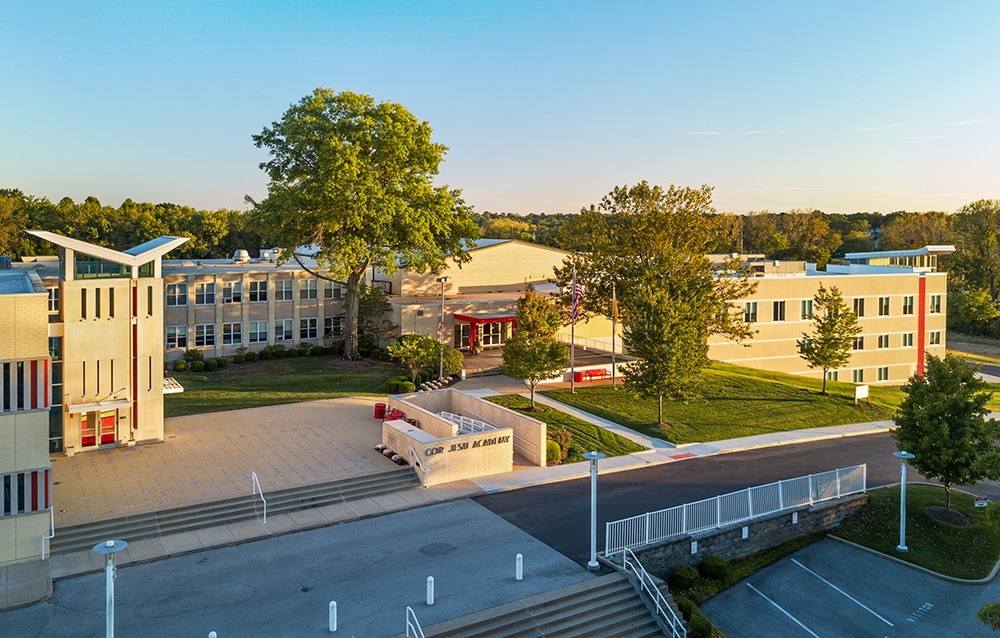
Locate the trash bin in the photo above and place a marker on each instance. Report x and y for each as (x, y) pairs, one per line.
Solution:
(379, 410)
(578, 377)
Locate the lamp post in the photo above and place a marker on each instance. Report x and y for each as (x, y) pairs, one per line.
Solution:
(109, 549)
(903, 457)
(593, 457)
(442, 281)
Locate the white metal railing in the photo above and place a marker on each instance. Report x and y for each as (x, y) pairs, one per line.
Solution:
(413, 624)
(52, 530)
(255, 489)
(415, 462)
(468, 425)
(729, 509)
(648, 586)
(591, 344)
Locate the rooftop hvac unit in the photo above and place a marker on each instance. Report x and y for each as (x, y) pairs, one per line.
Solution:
(5, 262)
(241, 257)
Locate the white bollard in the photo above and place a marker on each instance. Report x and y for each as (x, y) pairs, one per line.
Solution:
(212, 634)
(333, 616)
(519, 570)
(430, 590)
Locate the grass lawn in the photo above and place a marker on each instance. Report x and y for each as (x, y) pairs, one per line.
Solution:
(961, 552)
(736, 402)
(260, 383)
(586, 437)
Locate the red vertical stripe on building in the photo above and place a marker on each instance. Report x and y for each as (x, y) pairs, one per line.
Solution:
(47, 501)
(33, 384)
(34, 491)
(47, 390)
(921, 321)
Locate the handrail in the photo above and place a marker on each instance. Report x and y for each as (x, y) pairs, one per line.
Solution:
(415, 461)
(255, 489)
(647, 585)
(52, 530)
(413, 624)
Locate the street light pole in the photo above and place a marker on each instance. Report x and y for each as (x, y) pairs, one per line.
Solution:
(109, 549)
(593, 457)
(442, 281)
(903, 457)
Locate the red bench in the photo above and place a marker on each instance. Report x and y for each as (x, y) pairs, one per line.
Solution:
(599, 373)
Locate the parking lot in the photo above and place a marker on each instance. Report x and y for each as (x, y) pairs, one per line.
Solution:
(831, 589)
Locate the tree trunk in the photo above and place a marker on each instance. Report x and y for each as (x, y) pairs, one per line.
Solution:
(947, 496)
(351, 329)
(824, 382)
(659, 409)
(532, 397)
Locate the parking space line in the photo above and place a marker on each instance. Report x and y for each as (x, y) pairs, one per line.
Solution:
(779, 608)
(849, 597)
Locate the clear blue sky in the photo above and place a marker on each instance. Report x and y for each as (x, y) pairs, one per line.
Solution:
(545, 106)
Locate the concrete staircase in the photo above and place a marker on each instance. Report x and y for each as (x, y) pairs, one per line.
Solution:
(604, 607)
(231, 510)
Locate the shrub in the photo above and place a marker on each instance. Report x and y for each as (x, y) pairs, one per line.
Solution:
(180, 365)
(406, 386)
(701, 626)
(194, 355)
(240, 357)
(319, 351)
(714, 567)
(305, 349)
(686, 605)
(553, 453)
(277, 351)
(684, 577)
(337, 347)
(223, 362)
(251, 356)
(563, 438)
(362, 351)
(265, 354)
(291, 353)
(392, 385)
(197, 366)
(454, 360)
(211, 365)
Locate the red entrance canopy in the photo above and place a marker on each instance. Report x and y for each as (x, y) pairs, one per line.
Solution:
(486, 317)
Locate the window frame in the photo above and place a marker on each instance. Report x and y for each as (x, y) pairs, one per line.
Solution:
(176, 294)
(204, 293)
(204, 335)
(180, 336)
(232, 333)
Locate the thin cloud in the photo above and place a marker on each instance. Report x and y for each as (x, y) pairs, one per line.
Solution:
(751, 132)
(974, 122)
(702, 133)
(927, 137)
(877, 128)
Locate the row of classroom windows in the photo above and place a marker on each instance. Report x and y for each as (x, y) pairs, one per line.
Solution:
(205, 293)
(858, 375)
(206, 336)
(883, 341)
(883, 307)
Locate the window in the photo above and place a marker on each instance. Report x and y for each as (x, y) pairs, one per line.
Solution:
(308, 289)
(97, 303)
(204, 294)
(88, 267)
(332, 290)
(857, 376)
(859, 343)
(308, 328)
(859, 307)
(883, 306)
(908, 305)
(177, 295)
(935, 304)
(83, 303)
(883, 341)
(750, 312)
(283, 330)
(26, 492)
(907, 339)
(204, 335)
(831, 375)
(232, 292)
(934, 338)
(258, 332)
(333, 326)
(778, 311)
(232, 334)
(53, 300)
(111, 302)
(177, 336)
(883, 373)
(807, 309)
(149, 301)
(258, 291)
(283, 290)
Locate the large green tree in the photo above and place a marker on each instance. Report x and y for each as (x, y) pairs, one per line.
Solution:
(533, 353)
(834, 328)
(353, 179)
(942, 421)
(976, 262)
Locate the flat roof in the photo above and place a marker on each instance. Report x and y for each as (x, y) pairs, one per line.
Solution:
(943, 249)
(15, 282)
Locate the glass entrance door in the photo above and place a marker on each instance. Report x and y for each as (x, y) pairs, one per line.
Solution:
(88, 430)
(109, 420)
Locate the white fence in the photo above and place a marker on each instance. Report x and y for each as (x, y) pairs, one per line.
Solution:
(729, 509)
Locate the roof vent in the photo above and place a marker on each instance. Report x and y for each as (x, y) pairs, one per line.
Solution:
(241, 257)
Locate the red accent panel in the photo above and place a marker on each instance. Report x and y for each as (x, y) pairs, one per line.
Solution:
(33, 384)
(921, 321)
(34, 491)
(48, 389)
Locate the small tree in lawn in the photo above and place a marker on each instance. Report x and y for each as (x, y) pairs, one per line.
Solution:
(414, 352)
(533, 353)
(834, 328)
(943, 422)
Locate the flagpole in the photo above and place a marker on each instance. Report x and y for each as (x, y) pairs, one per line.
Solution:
(572, 340)
(614, 331)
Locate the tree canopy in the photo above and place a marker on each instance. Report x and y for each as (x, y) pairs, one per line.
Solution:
(353, 180)
(834, 328)
(414, 352)
(533, 353)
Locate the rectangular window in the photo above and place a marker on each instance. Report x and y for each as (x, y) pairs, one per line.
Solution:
(859, 343)
(333, 326)
(111, 302)
(857, 376)
(908, 305)
(204, 335)
(934, 339)
(258, 291)
(750, 312)
(859, 307)
(258, 332)
(83, 303)
(935, 305)
(883, 306)
(883, 341)
(97, 302)
(177, 336)
(907, 339)
(177, 294)
(283, 290)
(831, 375)
(149, 301)
(232, 292)
(53, 300)
(807, 309)
(883, 373)
(204, 294)
(332, 290)
(232, 334)
(778, 311)
(283, 330)
(307, 289)
(308, 328)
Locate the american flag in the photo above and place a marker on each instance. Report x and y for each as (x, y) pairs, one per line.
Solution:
(577, 296)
